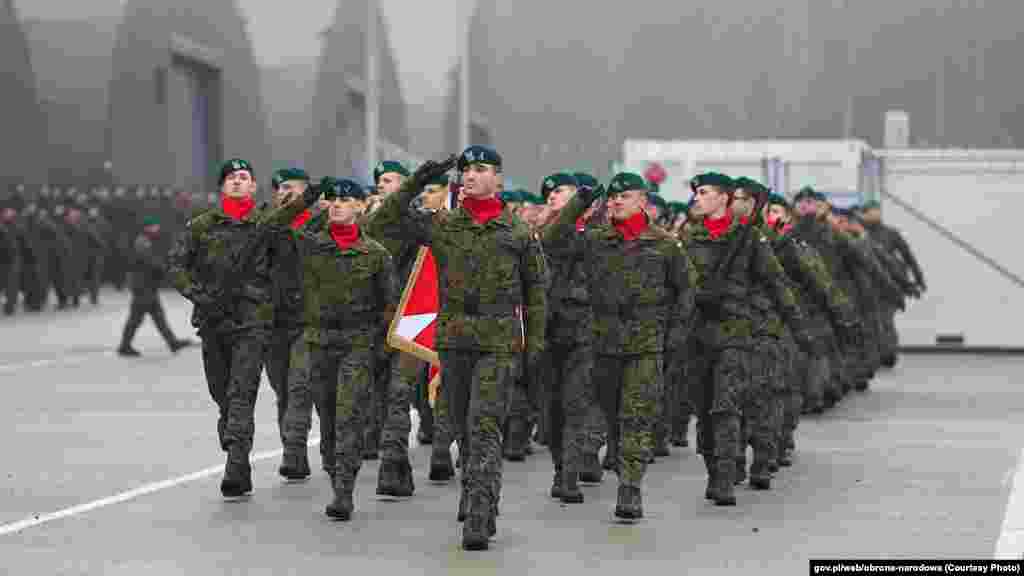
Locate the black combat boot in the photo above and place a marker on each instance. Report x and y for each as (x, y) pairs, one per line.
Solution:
(515, 450)
(679, 429)
(237, 481)
(611, 458)
(463, 504)
(741, 468)
(406, 485)
(341, 507)
(590, 469)
(179, 345)
(629, 505)
(294, 464)
(661, 442)
(725, 478)
(710, 492)
(476, 532)
(389, 478)
(370, 445)
(570, 486)
(441, 467)
(128, 352)
(556, 484)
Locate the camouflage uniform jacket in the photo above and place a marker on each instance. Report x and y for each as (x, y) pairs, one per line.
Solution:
(570, 316)
(814, 287)
(732, 323)
(893, 241)
(641, 291)
(486, 272)
(207, 258)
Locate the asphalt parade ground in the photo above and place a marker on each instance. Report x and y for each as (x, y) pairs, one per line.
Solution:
(111, 466)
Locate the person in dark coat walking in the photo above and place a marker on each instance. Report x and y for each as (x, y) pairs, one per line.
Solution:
(146, 273)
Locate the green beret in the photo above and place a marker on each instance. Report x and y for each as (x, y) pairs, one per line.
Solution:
(871, 205)
(286, 175)
(624, 181)
(479, 155)
(343, 188)
(150, 221)
(510, 197)
(712, 179)
(388, 166)
(551, 183)
(750, 185)
(777, 199)
(232, 166)
(584, 180)
(534, 199)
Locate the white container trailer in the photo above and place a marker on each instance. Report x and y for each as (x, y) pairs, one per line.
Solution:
(837, 167)
(960, 211)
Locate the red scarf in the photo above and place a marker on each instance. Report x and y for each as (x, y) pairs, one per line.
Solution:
(344, 235)
(581, 224)
(787, 227)
(237, 208)
(632, 227)
(718, 226)
(744, 220)
(301, 219)
(483, 210)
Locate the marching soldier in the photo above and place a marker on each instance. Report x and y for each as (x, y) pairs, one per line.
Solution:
(221, 263)
(146, 276)
(489, 268)
(641, 294)
(729, 257)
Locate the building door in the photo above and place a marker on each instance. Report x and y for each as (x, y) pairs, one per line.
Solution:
(194, 124)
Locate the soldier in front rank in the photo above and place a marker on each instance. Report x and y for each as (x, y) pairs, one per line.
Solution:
(287, 358)
(222, 264)
(569, 358)
(146, 276)
(390, 395)
(434, 420)
(489, 268)
(731, 259)
(641, 294)
(349, 295)
(595, 426)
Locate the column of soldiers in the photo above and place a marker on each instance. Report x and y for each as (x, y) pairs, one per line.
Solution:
(597, 316)
(69, 243)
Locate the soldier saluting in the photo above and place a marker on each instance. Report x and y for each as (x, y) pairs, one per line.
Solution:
(489, 268)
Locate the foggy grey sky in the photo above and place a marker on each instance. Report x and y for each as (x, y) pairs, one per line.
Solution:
(422, 34)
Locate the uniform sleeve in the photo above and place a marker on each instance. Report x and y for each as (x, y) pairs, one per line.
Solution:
(534, 278)
(387, 289)
(864, 259)
(558, 236)
(147, 256)
(181, 264)
(903, 249)
(400, 220)
(682, 283)
(824, 288)
(773, 278)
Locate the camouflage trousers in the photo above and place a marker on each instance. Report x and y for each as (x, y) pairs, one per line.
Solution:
(760, 417)
(438, 415)
(394, 394)
(723, 376)
(890, 339)
(568, 397)
(282, 341)
(344, 378)
(301, 399)
(233, 363)
(630, 388)
(789, 397)
(478, 385)
(674, 408)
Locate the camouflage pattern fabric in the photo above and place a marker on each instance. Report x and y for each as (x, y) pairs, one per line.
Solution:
(232, 364)
(630, 387)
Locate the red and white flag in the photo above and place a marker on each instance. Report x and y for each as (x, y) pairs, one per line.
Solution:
(413, 327)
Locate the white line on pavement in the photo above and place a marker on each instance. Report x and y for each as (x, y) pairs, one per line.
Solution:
(63, 361)
(130, 494)
(1011, 539)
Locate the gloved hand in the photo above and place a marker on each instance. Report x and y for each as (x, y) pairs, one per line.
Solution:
(590, 193)
(430, 170)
